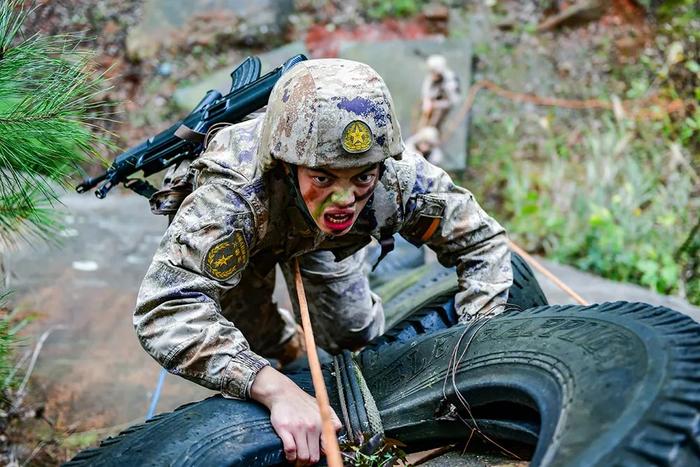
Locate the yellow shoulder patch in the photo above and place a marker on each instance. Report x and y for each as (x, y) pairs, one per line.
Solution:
(227, 257)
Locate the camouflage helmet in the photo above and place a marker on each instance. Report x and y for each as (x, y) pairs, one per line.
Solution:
(330, 113)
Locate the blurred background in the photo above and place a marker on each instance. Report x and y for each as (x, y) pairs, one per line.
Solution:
(575, 123)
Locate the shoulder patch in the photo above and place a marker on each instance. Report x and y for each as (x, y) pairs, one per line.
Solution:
(227, 257)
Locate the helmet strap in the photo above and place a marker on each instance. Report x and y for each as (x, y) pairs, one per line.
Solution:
(294, 193)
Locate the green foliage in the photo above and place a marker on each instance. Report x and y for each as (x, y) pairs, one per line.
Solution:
(78, 441)
(379, 9)
(9, 327)
(376, 451)
(614, 203)
(48, 114)
(5, 351)
(47, 111)
(608, 193)
(689, 257)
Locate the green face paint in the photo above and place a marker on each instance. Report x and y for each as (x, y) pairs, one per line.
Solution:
(334, 198)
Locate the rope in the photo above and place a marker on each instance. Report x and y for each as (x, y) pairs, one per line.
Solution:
(535, 264)
(156, 394)
(332, 449)
(576, 104)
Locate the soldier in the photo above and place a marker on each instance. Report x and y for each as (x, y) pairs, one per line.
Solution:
(316, 178)
(440, 92)
(426, 142)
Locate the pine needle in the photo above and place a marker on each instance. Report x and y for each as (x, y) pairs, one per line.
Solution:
(50, 117)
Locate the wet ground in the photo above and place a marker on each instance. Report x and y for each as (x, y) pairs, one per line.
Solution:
(92, 371)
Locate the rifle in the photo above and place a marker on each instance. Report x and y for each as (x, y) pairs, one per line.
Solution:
(185, 139)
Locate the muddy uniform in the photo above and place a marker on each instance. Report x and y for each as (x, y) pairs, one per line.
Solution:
(205, 307)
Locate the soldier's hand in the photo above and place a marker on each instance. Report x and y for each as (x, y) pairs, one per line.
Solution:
(294, 415)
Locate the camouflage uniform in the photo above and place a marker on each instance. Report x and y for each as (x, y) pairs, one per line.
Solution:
(205, 311)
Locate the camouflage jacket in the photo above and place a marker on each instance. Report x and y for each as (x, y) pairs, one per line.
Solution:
(249, 213)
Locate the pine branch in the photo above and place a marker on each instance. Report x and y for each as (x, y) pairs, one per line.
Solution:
(12, 15)
(48, 109)
(26, 219)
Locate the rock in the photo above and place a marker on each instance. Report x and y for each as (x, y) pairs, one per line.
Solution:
(402, 65)
(181, 23)
(188, 97)
(325, 40)
(437, 18)
(165, 69)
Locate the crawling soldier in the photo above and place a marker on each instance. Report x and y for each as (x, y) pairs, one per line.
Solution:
(319, 175)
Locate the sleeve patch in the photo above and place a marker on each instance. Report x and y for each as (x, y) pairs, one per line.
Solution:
(227, 257)
(428, 213)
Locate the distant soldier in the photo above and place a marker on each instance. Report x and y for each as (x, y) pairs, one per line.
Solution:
(426, 142)
(440, 92)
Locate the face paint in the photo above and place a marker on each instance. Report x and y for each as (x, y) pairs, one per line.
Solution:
(337, 199)
(333, 212)
(340, 197)
(318, 212)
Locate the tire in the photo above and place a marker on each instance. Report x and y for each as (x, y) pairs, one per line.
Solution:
(526, 291)
(421, 301)
(611, 385)
(606, 385)
(212, 432)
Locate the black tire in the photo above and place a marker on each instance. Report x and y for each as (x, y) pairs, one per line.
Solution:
(421, 301)
(526, 291)
(212, 432)
(610, 385)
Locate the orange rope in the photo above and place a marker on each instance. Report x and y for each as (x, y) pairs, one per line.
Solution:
(332, 448)
(577, 104)
(535, 264)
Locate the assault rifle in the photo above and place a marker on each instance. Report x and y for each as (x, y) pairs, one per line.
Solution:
(185, 139)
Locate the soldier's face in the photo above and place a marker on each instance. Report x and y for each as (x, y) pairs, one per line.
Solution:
(335, 197)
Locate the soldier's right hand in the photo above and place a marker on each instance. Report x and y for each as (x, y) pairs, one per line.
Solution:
(294, 414)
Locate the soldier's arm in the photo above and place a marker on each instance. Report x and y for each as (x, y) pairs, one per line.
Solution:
(448, 219)
(178, 318)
